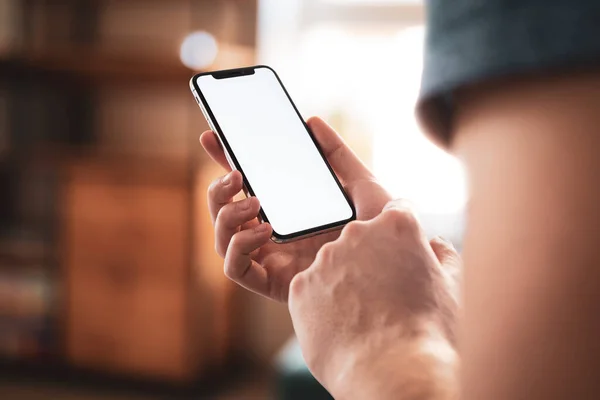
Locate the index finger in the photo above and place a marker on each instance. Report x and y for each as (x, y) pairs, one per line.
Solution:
(211, 144)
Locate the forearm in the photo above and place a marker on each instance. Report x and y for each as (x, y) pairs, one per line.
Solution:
(416, 369)
(531, 254)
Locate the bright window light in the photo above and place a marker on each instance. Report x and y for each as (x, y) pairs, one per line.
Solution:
(403, 159)
(372, 2)
(369, 78)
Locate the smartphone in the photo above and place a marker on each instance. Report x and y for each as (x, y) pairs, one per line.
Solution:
(264, 137)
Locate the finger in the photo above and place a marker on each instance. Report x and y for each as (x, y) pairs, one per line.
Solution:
(448, 257)
(342, 159)
(229, 220)
(221, 192)
(211, 144)
(446, 254)
(450, 262)
(239, 266)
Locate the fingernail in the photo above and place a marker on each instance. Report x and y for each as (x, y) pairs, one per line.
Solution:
(226, 179)
(244, 205)
(443, 239)
(261, 228)
(399, 203)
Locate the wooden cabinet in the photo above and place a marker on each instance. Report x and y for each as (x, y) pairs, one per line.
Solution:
(132, 305)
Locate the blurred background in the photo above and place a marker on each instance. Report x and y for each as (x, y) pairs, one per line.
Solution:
(109, 284)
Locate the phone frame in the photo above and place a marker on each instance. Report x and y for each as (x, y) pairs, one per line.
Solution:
(235, 165)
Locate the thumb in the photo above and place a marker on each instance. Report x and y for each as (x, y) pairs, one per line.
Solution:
(342, 159)
(446, 255)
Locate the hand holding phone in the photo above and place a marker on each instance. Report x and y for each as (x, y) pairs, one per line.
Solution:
(251, 258)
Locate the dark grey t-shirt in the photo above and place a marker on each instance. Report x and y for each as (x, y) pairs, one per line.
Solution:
(470, 41)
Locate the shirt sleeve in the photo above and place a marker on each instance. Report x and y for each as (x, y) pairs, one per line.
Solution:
(473, 41)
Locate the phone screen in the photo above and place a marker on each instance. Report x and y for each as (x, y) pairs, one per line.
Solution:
(277, 156)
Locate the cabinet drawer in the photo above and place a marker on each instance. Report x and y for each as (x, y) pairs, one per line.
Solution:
(141, 331)
(105, 247)
(148, 230)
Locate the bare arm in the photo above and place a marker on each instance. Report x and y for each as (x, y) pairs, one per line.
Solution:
(532, 250)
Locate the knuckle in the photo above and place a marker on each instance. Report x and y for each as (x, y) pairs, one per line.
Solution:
(354, 228)
(297, 285)
(213, 188)
(235, 242)
(229, 268)
(219, 249)
(223, 243)
(326, 251)
(230, 272)
(218, 221)
(224, 216)
(403, 218)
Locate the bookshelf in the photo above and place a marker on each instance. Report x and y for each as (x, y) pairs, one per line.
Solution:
(106, 257)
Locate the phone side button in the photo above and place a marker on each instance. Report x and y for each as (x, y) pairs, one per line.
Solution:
(205, 116)
(211, 126)
(196, 96)
(229, 160)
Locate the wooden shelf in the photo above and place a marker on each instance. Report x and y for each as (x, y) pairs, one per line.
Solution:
(171, 169)
(23, 252)
(100, 65)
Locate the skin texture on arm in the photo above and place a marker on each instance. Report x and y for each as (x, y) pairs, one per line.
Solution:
(531, 281)
(375, 313)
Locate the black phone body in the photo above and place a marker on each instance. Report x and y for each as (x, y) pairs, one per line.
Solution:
(264, 137)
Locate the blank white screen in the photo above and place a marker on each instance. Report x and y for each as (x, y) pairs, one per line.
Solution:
(275, 152)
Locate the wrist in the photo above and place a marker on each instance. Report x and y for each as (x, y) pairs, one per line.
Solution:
(421, 368)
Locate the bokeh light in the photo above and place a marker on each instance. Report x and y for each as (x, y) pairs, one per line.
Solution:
(198, 50)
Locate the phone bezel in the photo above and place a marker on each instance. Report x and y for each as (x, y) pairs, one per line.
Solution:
(237, 72)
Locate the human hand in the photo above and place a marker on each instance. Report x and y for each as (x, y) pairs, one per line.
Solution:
(375, 313)
(251, 259)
